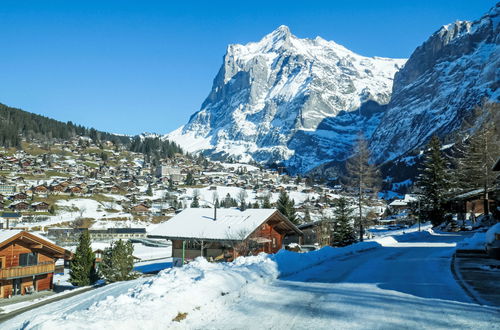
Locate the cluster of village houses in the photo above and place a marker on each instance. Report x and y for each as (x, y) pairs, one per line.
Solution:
(27, 260)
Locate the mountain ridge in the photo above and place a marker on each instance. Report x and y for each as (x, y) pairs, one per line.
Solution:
(269, 97)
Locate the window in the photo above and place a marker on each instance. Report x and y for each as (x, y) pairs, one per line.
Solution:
(28, 259)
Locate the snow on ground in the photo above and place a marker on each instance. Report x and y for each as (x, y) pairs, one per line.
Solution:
(62, 279)
(141, 251)
(476, 242)
(249, 168)
(381, 231)
(207, 195)
(13, 307)
(153, 303)
(401, 281)
(491, 233)
(72, 209)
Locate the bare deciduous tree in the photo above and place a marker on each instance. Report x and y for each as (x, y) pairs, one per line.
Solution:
(362, 176)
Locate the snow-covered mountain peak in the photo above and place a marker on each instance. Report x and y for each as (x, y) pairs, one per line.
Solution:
(272, 94)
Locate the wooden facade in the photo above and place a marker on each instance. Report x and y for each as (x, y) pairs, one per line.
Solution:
(267, 237)
(27, 263)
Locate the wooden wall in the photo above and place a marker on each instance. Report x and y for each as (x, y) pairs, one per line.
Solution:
(11, 253)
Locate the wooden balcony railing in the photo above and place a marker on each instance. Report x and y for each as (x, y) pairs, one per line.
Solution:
(22, 271)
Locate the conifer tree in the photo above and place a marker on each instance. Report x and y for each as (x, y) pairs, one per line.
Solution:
(343, 231)
(189, 179)
(149, 191)
(287, 207)
(266, 201)
(196, 199)
(118, 262)
(83, 270)
(434, 181)
(307, 215)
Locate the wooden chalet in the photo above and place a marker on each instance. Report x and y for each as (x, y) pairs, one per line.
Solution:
(225, 233)
(75, 190)
(40, 207)
(19, 206)
(473, 202)
(41, 190)
(20, 197)
(57, 188)
(139, 209)
(27, 262)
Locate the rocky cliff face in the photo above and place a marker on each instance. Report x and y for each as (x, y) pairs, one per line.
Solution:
(453, 71)
(301, 101)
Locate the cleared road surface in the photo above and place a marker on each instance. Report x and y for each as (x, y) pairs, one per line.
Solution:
(408, 285)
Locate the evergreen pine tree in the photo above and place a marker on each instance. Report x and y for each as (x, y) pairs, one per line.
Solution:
(266, 201)
(307, 216)
(149, 191)
(287, 207)
(118, 262)
(343, 232)
(434, 181)
(189, 179)
(196, 199)
(82, 270)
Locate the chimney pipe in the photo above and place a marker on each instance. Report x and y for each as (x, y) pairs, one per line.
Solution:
(215, 212)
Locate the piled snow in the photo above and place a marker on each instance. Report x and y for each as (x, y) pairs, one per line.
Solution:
(475, 242)
(199, 285)
(490, 234)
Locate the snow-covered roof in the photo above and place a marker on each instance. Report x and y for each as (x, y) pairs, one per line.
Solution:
(231, 224)
(6, 234)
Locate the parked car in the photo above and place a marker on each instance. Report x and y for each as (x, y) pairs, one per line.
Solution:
(493, 241)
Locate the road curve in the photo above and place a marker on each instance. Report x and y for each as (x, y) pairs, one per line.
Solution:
(406, 285)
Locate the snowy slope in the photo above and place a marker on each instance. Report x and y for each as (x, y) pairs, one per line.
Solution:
(285, 98)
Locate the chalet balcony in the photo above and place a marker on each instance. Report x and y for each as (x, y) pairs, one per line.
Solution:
(23, 271)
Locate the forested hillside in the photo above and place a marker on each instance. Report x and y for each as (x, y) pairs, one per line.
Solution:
(17, 125)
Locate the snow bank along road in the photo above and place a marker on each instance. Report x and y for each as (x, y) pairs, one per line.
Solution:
(405, 283)
(401, 285)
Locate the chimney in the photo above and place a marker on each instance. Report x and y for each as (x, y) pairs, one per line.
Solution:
(215, 212)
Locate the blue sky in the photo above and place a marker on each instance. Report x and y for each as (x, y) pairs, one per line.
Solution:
(146, 66)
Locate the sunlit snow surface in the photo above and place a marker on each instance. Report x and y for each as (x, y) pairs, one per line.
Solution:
(396, 282)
